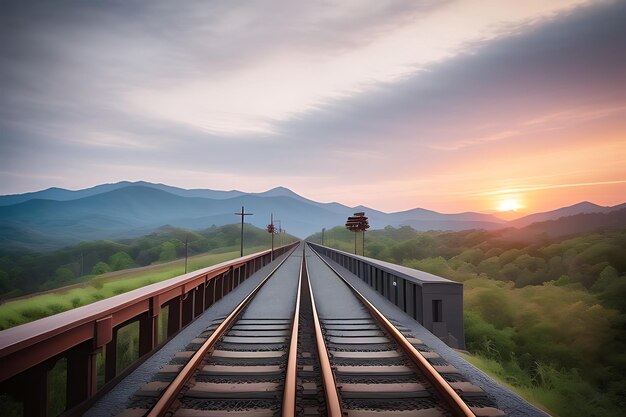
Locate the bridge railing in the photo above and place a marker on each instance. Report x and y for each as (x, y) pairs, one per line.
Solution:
(435, 302)
(94, 346)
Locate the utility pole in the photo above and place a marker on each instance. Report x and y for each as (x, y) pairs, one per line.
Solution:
(242, 214)
(186, 253)
(323, 230)
(358, 223)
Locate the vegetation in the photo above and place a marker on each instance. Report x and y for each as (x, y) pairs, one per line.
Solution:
(24, 272)
(158, 251)
(102, 285)
(113, 270)
(547, 316)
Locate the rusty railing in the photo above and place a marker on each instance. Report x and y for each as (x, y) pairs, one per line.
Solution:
(87, 336)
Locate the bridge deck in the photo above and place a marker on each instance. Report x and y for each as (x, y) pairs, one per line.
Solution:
(261, 339)
(348, 325)
(115, 401)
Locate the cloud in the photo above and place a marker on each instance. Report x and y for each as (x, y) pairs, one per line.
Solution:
(562, 119)
(540, 77)
(231, 67)
(360, 94)
(551, 187)
(309, 73)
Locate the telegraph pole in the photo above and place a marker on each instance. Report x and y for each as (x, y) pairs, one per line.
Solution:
(358, 223)
(323, 230)
(186, 253)
(242, 214)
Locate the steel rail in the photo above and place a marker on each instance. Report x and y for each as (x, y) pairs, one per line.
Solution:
(173, 389)
(449, 395)
(291, 374)
(333, 406)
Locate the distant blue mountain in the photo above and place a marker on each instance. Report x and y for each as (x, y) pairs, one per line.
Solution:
(55, 217)
(61, 194)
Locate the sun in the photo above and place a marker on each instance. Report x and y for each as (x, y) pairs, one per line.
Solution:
(509, 204)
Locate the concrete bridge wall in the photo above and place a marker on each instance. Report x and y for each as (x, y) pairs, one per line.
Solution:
(435, 302)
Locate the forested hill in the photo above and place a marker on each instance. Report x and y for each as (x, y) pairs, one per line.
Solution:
(23, 271)
(570, 225)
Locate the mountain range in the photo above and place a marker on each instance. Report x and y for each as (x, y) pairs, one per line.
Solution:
(55, 217)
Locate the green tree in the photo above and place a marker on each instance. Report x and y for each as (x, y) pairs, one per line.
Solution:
(494, 306)
(63, 274)
(563, 280)
(607, 277)
(510, 272)
(147, 256)
(168, 252)
(473, 256)
(490, 266)
(614, 294)
(100, 268)
(5, 285)
(121, 260)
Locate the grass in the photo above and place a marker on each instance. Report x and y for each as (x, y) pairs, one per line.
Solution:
(559, 393)
(513, 379)
(24, 310)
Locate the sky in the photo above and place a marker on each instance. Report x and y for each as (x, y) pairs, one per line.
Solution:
(453, 105)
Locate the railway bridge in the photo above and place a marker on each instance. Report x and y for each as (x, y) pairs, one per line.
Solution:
(305, 331)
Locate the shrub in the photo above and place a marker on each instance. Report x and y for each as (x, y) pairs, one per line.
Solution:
(63, 274)
(121, 260)
(168, 252)
(100, 268)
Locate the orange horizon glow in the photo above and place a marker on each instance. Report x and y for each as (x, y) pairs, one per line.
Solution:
(481, 115)
(509, 204)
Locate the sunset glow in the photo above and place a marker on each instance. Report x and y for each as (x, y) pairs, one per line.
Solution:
(476, 148)
(339, 104)
(509, 204)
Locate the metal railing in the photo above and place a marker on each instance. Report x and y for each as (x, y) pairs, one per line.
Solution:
(88, 335)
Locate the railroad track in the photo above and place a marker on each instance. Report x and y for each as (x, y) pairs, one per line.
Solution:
(305, 354)
(379, 368)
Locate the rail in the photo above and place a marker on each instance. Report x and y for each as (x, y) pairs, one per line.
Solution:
(171, 392)
(89, 334)
(452, 398)
(333, 405)
(291, 373)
